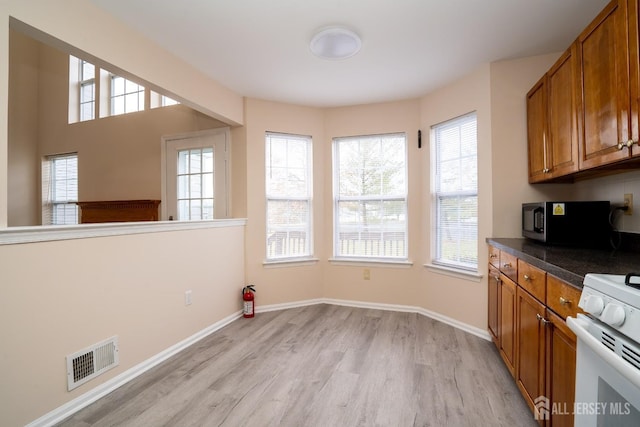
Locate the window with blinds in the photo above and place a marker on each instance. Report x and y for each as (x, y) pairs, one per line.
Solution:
(288, 192)
(455, 163)
(60, 189)
(370, 197)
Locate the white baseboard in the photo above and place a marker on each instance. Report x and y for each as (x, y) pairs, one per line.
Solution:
(107, 387)
(102, 390)
(380, 306)
(413, 309)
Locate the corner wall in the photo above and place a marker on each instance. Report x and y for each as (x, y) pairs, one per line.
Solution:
(510, 82)
(59, 297)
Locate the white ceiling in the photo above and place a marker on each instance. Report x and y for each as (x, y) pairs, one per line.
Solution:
(260, 48)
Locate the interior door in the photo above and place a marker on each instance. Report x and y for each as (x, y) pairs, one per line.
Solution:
(195, 176)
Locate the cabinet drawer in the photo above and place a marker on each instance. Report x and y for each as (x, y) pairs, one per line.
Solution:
(532, 279)
(509, 265)
(494, 256)
(562, 297)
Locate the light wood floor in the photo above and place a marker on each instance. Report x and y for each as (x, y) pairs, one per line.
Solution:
(322, 365)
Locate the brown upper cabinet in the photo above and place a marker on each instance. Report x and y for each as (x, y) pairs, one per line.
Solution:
(552, 121)
(583, 113)
(605, 82)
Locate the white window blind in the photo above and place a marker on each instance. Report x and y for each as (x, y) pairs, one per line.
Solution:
(288, 193)
(60, 189)
(370, 197)
(456, 192)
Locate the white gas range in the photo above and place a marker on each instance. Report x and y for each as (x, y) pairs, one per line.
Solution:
(608, 354)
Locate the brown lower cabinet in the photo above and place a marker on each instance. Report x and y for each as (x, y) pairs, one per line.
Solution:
(507, 322)
(560, 369)
(530, 350)
(533, 339)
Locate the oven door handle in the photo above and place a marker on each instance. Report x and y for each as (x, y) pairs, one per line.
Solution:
(579, 326)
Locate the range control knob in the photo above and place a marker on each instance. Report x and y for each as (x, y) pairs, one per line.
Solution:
(613, 315)
(594, 305)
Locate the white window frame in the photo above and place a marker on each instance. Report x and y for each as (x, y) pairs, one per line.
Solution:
(84, 82)
(140, 104)
(77, 81)
(49, 200)
(220, 140)
(301, 234)
(338, 253)
(458, 226)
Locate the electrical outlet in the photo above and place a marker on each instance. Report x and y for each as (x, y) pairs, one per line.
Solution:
(366, 274)
(628, 202)
(187, 298)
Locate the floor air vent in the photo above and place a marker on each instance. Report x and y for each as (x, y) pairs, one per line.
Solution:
(91, 362)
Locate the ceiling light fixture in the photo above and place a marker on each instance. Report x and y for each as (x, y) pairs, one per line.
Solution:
(335, 43)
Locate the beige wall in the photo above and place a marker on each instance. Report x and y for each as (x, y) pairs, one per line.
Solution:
(59, 297)
(464, 300)
(119, 157)
(130, 285)
(510, 82)
(292, 283)
(82, 27)
(390, 285)
(24, 195)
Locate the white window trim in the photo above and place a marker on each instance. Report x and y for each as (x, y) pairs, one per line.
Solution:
(436, 265)
(310, 257)
(351, 260)
(458, 273)
(371, 262)
(113, 76)
(290, 262)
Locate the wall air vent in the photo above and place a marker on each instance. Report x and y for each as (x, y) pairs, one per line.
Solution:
(91, 362)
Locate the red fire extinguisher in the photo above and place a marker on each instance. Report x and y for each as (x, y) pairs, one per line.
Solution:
(248, 298)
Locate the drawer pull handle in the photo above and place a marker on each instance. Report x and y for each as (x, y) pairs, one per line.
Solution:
(493, 256)
(564, 301)
(507, 265)
(527, 278)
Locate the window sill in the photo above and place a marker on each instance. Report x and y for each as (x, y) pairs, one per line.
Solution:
(458, 273)
(48, 233)
(290, 262)
(365, 262)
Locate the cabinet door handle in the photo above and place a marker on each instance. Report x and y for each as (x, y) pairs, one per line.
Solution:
(621, 145)
(542, 319)
(497, 278)
(564, 301)
(527, 278)
(630, 143)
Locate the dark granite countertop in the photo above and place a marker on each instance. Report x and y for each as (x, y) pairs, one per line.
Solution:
(569, 263)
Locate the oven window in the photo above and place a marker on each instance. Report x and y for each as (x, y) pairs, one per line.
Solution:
(617, 410)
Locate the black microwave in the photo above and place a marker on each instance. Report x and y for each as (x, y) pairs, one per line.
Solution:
(567, 223)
